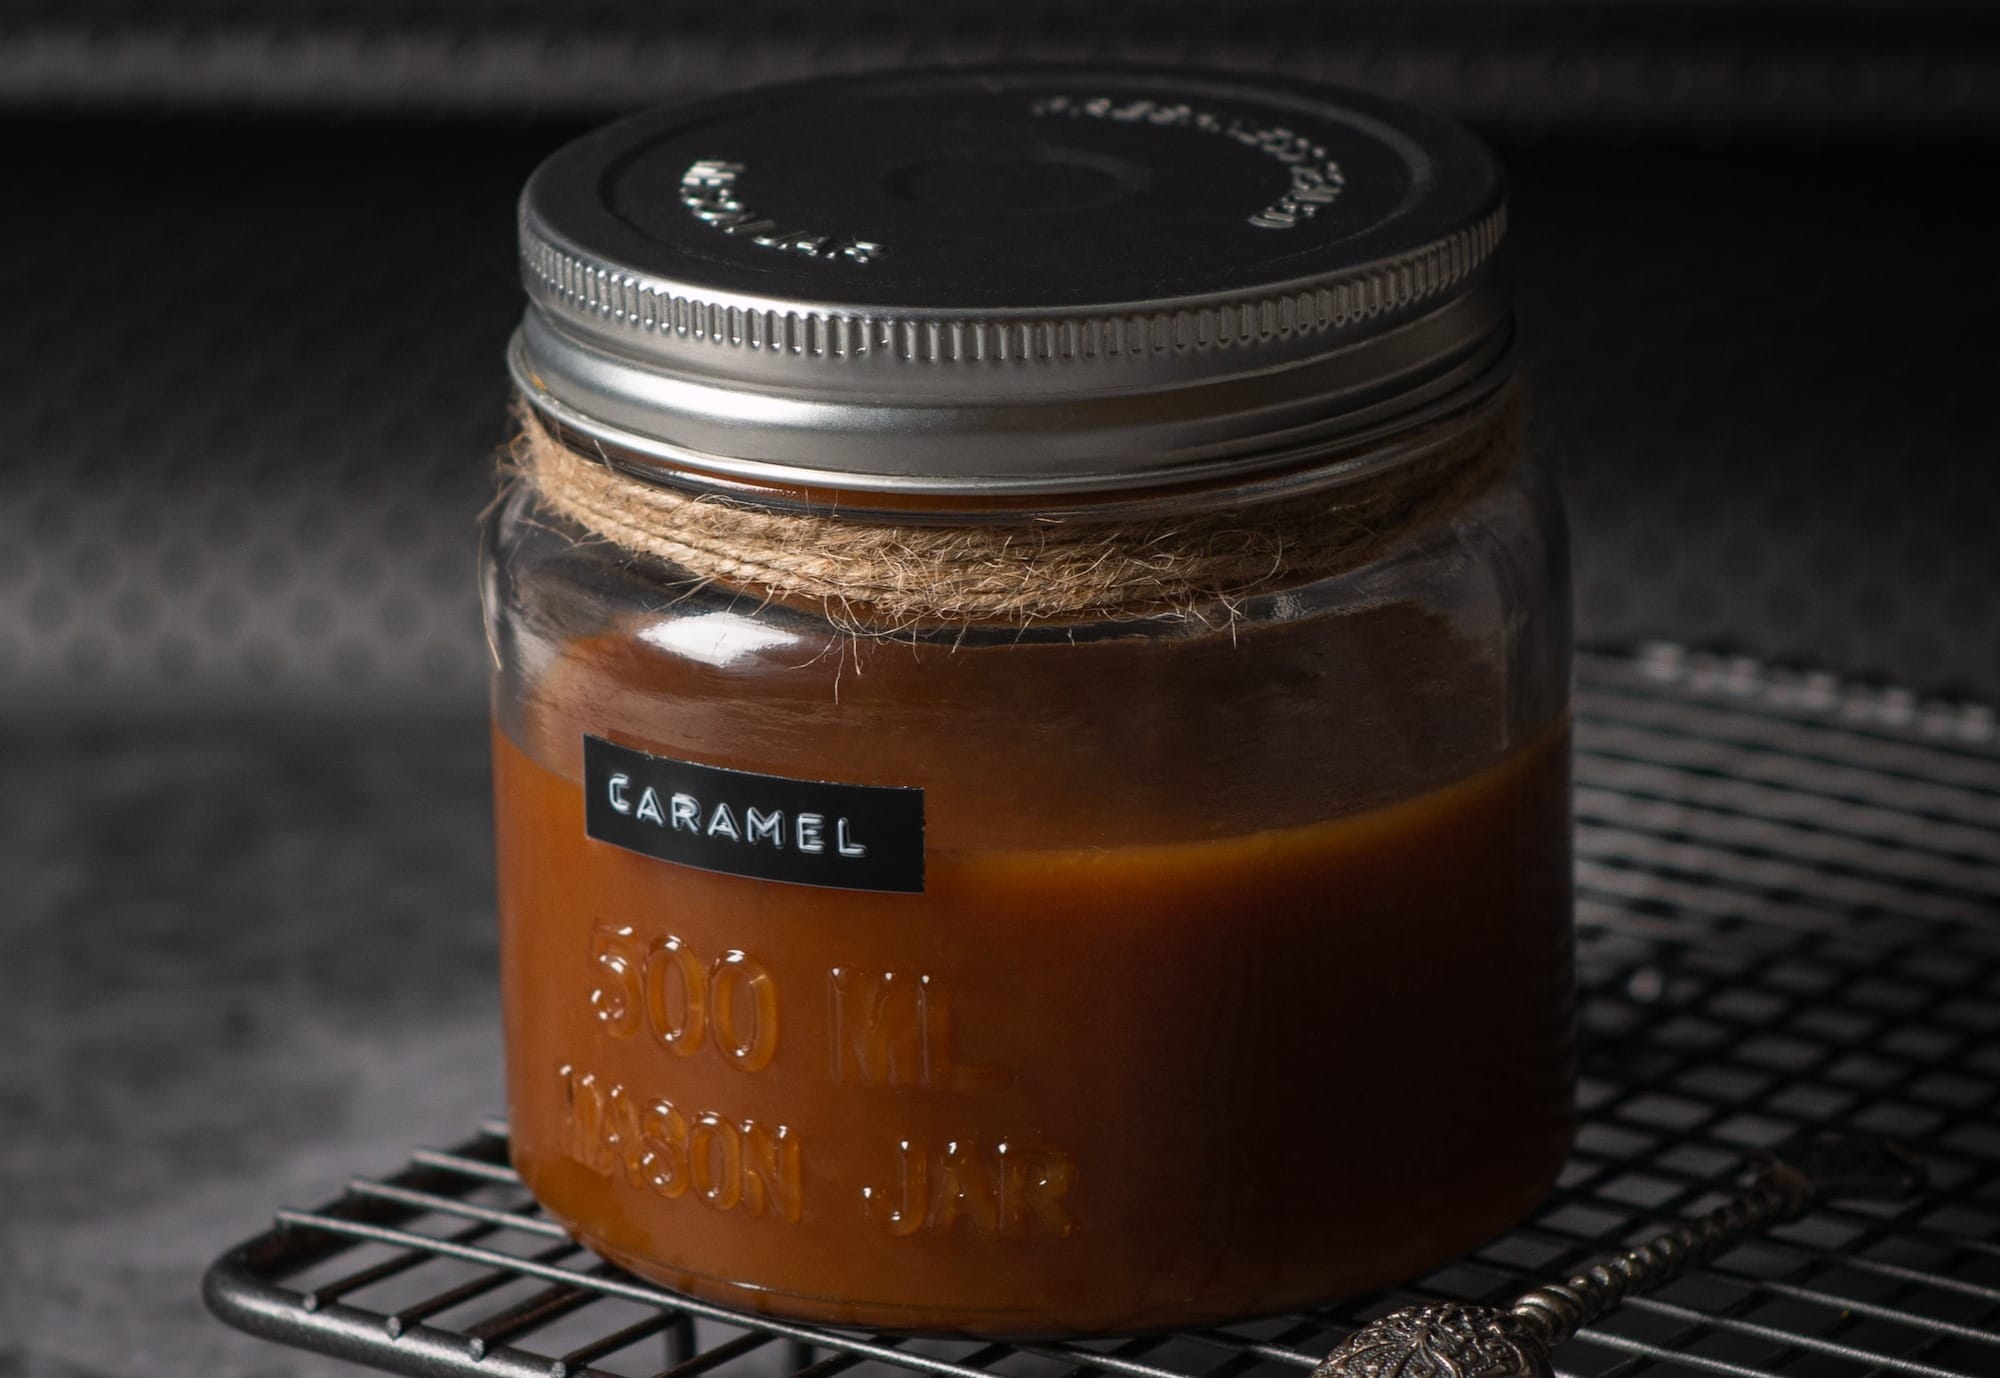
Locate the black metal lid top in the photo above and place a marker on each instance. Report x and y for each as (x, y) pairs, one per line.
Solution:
(1038, 279)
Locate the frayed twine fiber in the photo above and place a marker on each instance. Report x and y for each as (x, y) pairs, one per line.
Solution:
(870, 575)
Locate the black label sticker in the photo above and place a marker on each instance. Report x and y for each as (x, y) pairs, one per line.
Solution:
(772, 827)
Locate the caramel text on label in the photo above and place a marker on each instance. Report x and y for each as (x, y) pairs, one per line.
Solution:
(747, 823)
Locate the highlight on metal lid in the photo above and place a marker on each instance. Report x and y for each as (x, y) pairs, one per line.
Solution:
(1011, 281)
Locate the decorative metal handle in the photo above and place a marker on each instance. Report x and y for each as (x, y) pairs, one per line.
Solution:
(1451, 1340)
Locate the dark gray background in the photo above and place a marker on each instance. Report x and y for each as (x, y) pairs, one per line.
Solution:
(255, 276)
(258, 277)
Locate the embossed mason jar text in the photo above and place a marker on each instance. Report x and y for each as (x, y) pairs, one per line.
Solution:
(724, 1163)
(664, 989)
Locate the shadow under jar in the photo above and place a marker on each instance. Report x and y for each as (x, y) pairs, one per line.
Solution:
(1031, 709)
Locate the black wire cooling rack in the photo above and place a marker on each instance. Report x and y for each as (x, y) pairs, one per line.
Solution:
(1789, 918)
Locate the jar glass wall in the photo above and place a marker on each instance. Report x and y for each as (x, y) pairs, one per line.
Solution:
(1239, 978)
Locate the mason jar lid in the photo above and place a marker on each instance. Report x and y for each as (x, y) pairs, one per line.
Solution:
(1021, 281)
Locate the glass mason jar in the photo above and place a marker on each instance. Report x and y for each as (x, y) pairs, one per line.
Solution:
(1031, 703)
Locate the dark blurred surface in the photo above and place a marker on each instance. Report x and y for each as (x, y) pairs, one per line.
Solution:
(241, 962)
(258, 272)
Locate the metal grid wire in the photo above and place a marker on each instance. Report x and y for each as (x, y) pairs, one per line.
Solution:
(1789, 918)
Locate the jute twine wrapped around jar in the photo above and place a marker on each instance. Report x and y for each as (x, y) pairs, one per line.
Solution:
(871, 575)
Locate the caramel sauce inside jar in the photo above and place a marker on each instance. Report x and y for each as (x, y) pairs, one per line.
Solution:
(1240, 979)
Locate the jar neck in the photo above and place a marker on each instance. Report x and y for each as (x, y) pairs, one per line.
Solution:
(1413, 436)
(896, 571)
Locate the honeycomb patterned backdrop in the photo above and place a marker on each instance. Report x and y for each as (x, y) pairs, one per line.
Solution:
(1803, 65)
(253, 345)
